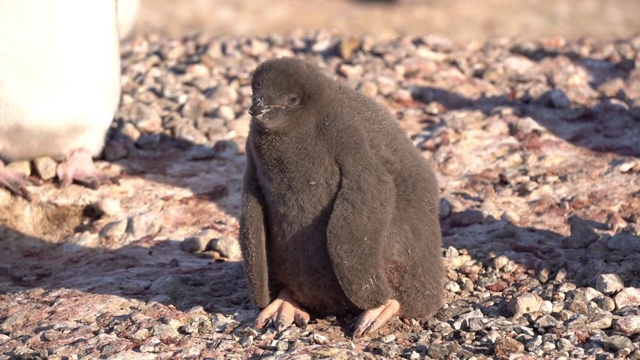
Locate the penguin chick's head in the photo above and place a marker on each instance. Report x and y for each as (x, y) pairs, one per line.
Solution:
(285, 92)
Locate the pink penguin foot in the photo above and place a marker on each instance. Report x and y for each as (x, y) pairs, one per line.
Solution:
(372, 319)
(283, 311)
(79, 166)
(14, 181)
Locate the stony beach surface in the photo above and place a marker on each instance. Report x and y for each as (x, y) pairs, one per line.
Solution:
(536, 145)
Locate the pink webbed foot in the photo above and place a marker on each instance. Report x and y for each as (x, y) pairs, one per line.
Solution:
(372, 319)
(79, 166)
(283, 311)
(14, 181)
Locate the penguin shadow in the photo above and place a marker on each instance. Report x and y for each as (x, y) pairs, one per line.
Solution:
(610, 125)
(146, 270)
(606, 127)
(178, 162)
(513, 253)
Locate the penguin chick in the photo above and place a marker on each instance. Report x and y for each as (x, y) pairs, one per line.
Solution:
(339, 210)
(59, 84)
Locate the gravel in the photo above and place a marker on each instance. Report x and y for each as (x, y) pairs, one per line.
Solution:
(534, 142)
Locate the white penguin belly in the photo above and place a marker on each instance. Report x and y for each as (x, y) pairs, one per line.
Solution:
(59, 76)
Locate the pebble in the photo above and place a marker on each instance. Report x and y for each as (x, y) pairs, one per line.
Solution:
(507, 346)
(500, 261)
(466, 218)
(600, 321)
(51, 335)
(581, 234)
(115, 230)
(144, 225)
(45, 167)
(21, 167)
(320, 339)
(108, 207)
(452, 286)
(627, 297)
(388, 339)
(558, 99)
(609, 283)
(624, 241)
(227, 246)
(199, 241)
(164, 330)
(617, 342)
(628, 325)
(524, 304)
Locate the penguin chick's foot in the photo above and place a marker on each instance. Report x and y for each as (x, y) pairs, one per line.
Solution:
(372, 319)
(14, 181)
(283, 311)
(79, 166)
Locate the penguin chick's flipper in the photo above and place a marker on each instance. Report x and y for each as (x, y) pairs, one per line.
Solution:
(14, 181)
(360, 223)
(283, 311)
(252, 235)
(372, 319)
(79, 166)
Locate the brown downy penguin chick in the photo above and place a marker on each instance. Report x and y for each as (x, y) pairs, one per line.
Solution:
(59, 85)
(339, 210)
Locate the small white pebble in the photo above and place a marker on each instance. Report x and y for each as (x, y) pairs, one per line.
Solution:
(452, 286)
(388, 339)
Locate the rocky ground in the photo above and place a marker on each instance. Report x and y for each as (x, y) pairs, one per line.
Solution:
(535, 144)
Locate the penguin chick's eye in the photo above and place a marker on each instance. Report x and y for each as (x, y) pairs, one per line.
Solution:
(294, 100)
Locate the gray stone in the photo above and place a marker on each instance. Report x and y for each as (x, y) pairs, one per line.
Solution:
(558, 99)
(628, 325)
(618, 342)
(227, 246)
(534, 343)
(581, 234)
(609, 283)
(438, 351)
(524, 304)
(565, 345)
(445, 208)
(51, 335)
(144, 225)
(600, 321)
(115, 230)
(196, 243)
(164, 330)
(148, 141)
(466, 218)
(79, 242)
(605, 303)
(591, 293)
(627, 297)
(546, 321)
(146, 118)
(624, 241)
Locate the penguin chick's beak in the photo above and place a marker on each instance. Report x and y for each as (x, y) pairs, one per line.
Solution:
(257, 109)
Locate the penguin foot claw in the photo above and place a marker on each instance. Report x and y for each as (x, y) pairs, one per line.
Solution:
(79, 166)
(372, 319)
(283, 312)
(15, 182)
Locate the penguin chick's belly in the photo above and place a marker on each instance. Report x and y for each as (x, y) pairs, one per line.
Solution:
(59, 76)
(298, 254)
